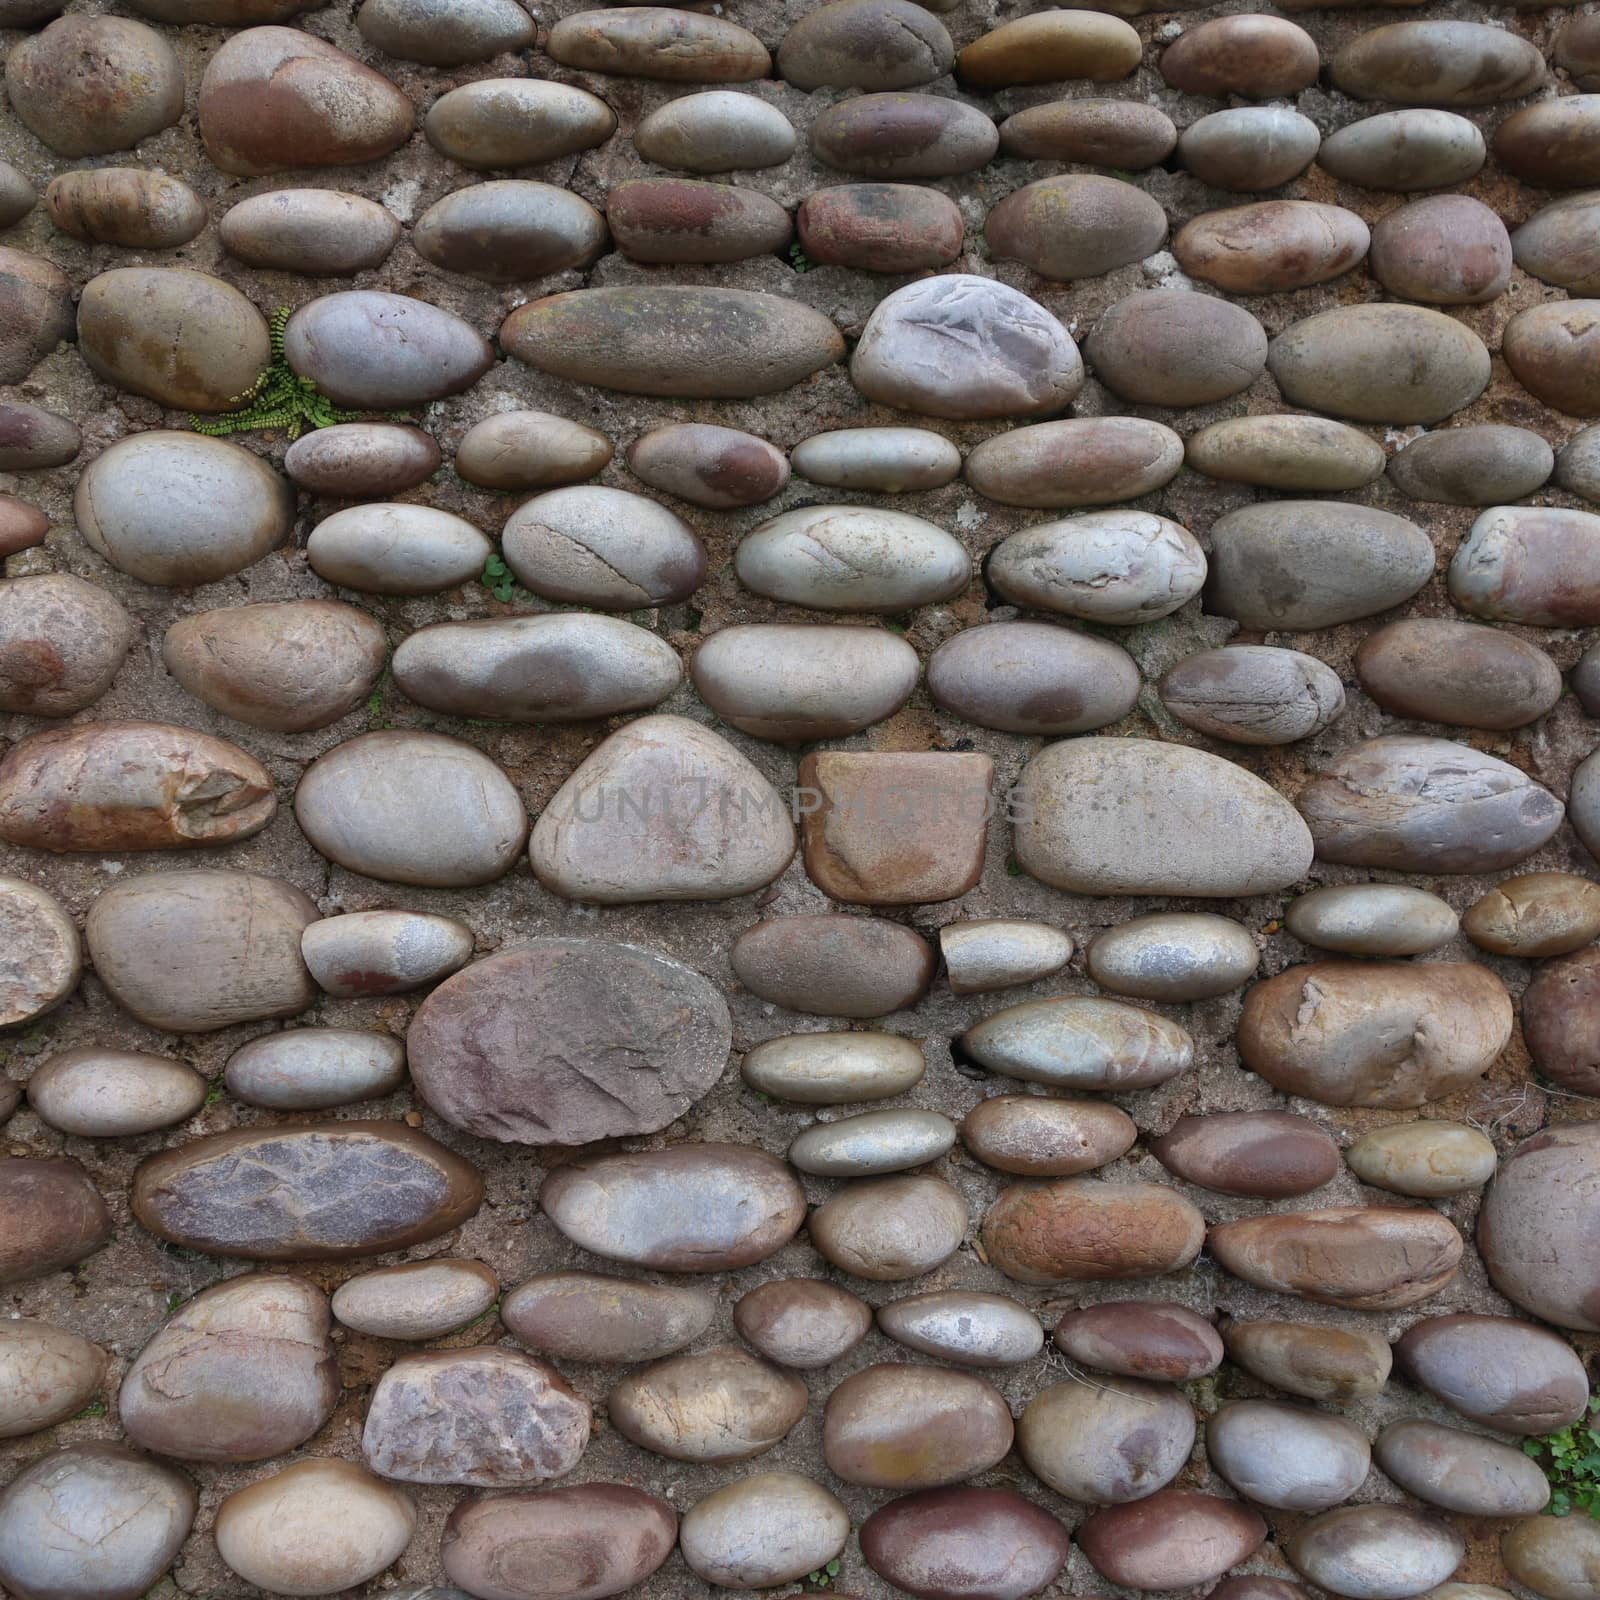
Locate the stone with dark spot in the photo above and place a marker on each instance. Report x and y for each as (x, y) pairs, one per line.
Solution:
(1125, 134)
(590, 1316)
(32, 438)
(681, 220)
(658, 42)
(719, 1405)
(904, 136)
(1436, 669)
(880, 227)
(1174, 347)
(865, 44)
(1439, 63)
(963, 1328)
(965, 1544)
(1320, 1363)
(51, 1215)
(1268, 1155)
(911, 1426)
(1173, 1539)
(509, 231)
(1152, 1339)
(834, 965)
(62, 640)
(1446, 250)
(1081, 1042)
(719, 468)
(1508, 1375)
(1253, 694)
(327, 1192)
(1272, 246)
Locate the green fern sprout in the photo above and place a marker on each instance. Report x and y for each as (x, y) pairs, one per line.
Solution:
(1570, 1458)
(279, 398)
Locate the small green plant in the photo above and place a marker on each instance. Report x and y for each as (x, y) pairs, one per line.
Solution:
(279, 398)
(498, 579)
(823, 1576)
(801, 262)
(1570, 1458)
(174, 1300)
(213, 1095)
(95, 1408)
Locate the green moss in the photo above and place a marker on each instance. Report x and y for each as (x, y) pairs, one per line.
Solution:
(1570, 1459)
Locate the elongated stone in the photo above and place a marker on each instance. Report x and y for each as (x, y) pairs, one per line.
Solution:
(36, 299)
(1081, 1043)
(32, 437)
(1535, 914)
(1405, 151)
(659, 42)
(1331, 1364)
(910, 1426)
(833, 1068)
(1262, 57)
(717, 130)
(865, 44)
(834, 965)
(1273, 246)
(1551, 1557)
(1048, 47)
(719, 1405)
(362, 460)
(1266, 1154)
(880, 227)
(1515, 1377)
(1078, 225)
(707, 465)
(1422, 667)
(417, 1299)
(887, 460)
(1428, 1159)
(444, 33)
(46, 1375)
(312, 1069)
(95, 1093)
(496, 123)
(904, 136)
(1557, 244)
(1372, 919)
(1141, 1339)
(1439, 63)
(1253, 694)
(1248, 148)
(588, 1316)
(957, 1544)
(1125, 134)
(872, 1142)
(125, 206)
(995, 953)
(1084, 461)
(1085, 1230)
(1173, 956)
(313, 231)
(530, 450)
(1307, 454)
(971, 1330)
(1039, 1136)
(509, 231)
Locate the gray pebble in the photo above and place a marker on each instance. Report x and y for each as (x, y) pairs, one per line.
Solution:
(394, 548)
(1405, 151)
(872, 1142)
(417, 1299)
(1249, 147)
(509, 231)
(1287, 1457)
(321, 232)
(1482, 465)
(984, 953)
(883, 460)
(765, 1529)
(96, 1093)
(1081, 1043)
(444, 33)
(312, 1069)
(833, 1068)
(516, 122)
(589, 1316)
(1253, 694)
(530, 450)
(1173, 957)
(1371, 919)
(717, 130)
(969, 1330)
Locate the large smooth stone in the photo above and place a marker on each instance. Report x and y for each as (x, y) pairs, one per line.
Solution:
(1438, 63)
(288, 666)
(1460, 1471)
(243, 1371)
(714, 827)
(1039, 1136)
(1124, 567)
(1375, 1552)
(46, 1375)
(802, 1322)
(969, 1330)
(444, 33)
(910, 1426)
(796, 682)
(1380, 363)
(1512, 1376)
(890, 1229)
(410, 807)
(1268, 1155)
(1253, 694)
(497, 123)
(1303, 564)
(1481, 465)
(719, 1405)
(1428, 1159)
(130, 786)
(1550, 349)
(717, 130)
(347, 1527)
(125, 206)
(1557, 244)
(673, 340)
(1173, 956)
(659, 42)
(384, 352)
(1402, 151)
(1141, 1339)
(92, 1522)
(719, 468)
(886, 460)
(1104, 1443)
(31, 437)
(904, 136)
(1426, 805)
(1081, 1042)
(587, 1316)
(1331, 1364)
(1436, 669)
(486, 1417)
(362, 460)
(1535, 914)
(530, 450)
(1365, 1258)
(313, 1069)
(1173, 347)
(768, 1528)
(872, 1142)
(417, 1299)
(35, 310)
(833, 965)
(1366, 1033)
(322, 1193)
(1287, 1457)
(1173, 1539)
(1135, 816)
(583, 1542)
(51, 1217)
(1084, 1230)
(62, 641)
(96, 1093)
(1272, 246)
(1554, 1557)
(983, 953)
(1050, 46)
(566, 1041)
(1075, 226)
(43, 955)
(1248, 148)
(881, 227)
(852, 558)
(833, 1068)
(593, 546)
(509, 231)
(274, 99)
(684, 1208)
(189, 952)
(865, 44)
(1530, 564)
(967, 349)
(1124, 134)
(181, 509)
(314, 231)
(1305, 454)
(965, 1544)
(1261, 57)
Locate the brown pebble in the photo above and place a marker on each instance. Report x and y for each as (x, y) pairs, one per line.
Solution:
(1260, 57)
(22, 525)
(1141, 1339)
(1535, 914)
(880, 227)
(1268, 1155)
(1125, 134)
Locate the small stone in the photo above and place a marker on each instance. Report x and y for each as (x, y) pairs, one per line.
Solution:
(1249, 147)
(909, 1426)
(1173, 956)
(1141, 1339)
(717, 130)
(125, 206)
(1484, 465)
(1430, 1160)
(904, 136)
(1364, 1258)
(834, 965)
(1269, 1155)
(994, 953)
(362, 460)
(90, 84)
(834, 1068)
(1512, 1376)
(1557, 244)
(1376, 1552)
(1329, 1364)
(1253, 694)
(766, 1529)
(327, 1192)
(684, 1208)
(1076, 226)
(1422, 667)
(659, 42)
(1371, 919)
(1403, 151)
(17, 197)
(1438, 63)
(1287, 1457)
(1535, 914)
(444, 33)
(509, 231)
(1083, 461)
(1257, 56)
(871, 1143)
(417, 1299)
(313, 1069)
(890, 1229)
(802, 1322)
(1039, 1136)
(865, 44)
(1550, 350)
(35, 312)
(1306, 454)
(587, 1316)
(243, 1371)
(1050, 47)
(96, 1093)
(720, 1405)
(62, 641)
(1460, 1471)
(43, 958)
(1173, 347)
(32, 438)
(53, 1217)
(46, 1375)
(968, 1330)
(278, 99)
(880, 227)
(884, 460)
(1173, 1539)
(1272, 246)
(1125, 134)
(963, 1544)
(497, 123)
(1557, 1021)
(1081, 1042)
(530, 450)
(719, 468)
(1554, 1557)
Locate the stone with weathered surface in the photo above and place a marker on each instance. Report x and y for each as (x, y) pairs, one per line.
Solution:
(46, 1375)
(43, 956)
(125, 206)
(1040, 1136)
(719, 468)
(62, 641)
(53, 1217)
(1331, 1364)
(766, 1529)
(1376, 1552)
(983, 953)
(1529, 564)
(719, 1405)
(1285, 451)
(509, 231)
(1085, 1230)
(879, 227)
(1405, 150)
(588, 1316)
(1151, 1339)
(910, 1426)
(904, 136)
(1461, 1471)
(659, 42)
(1535, 914)
(1272, 246)
(834, 965)
(1253, 694)
(1125, 134)
(35, 312)
(1103, 1443)
(444, 33)
(315, 231)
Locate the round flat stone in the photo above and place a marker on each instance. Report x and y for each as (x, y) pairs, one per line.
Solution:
(509, 230)
(1273, 246)
(1461, 1471)
(1514, 1377)
(361, 460)
(766, 1529)
(1554, 1558)
(1048, 47)
(1174, 347)
(1249, 148)
(1287, 1457)
(911, 1426)
(1141, 1339)
(1535, 914)
(1332, 1364)
(530, 450)
(890, 1229)
(1438, 63)
(1173, 1539)
(904, 136)
(1079, 225)
(96, 1093)
(1376, 1552)
(46, 1375)
(802, 1322)
(383, 952)
(719, 468)
(1173, 957)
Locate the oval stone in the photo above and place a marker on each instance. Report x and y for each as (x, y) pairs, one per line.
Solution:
(1376, 1552)
(243, 1371)
(1554, 1558)
(1258, 56)
(444, 33)
(189, 952)
(852, 558)
(181, 509)
(1332, 1364)
(865, 44)
(96, 1093)
(312, 1069)
(1364, 1258)
(1486, 464)
(1079, 225)
(593, 546)
(324, 1193)
(587, 1316)
(970, 1330)
(1084, 1230)
(125, 206)
(565, 666)
(497, 123)
(417, 1299)
(1081, 1042)
(1048, 47)
(1263, 1154)
(1403, 151)
(289, 665)
(509, 231)
(720, 1405)
(719, 468)
(1460, 1471)
(1535, 914)
(1173, 956)
(1173, 347)
(1084, 461)
(1446, 250)
(1124, 134)
(53, 1217)
(833, 965)
(960, 1544)
(880, 227)
(315, 231)
(909, 1426)
(1136, 816)
(1104, 1443)
(1274, 245)
(717, 130)
(1141, 1339)
(1529, 564)
(1371, 919)
(1557, 244)
(35, 312)
(768, 1528)
(659, 42)
(684, 1208)
(530, 450)
(995, 953)
(1426, 805)
(362, 460)
(890, 1229)
(802, 1322)
(1380, 363)
(1422, 667)
(1173, 1539)
(31, 437)
(1306, 454)
(1039, 1136)
(62, 641)
(1578, 51)
(1249, 147)
(872, 1142)
(830, 1068)
(1438, 63)
(46, 1375)
(904, 136)
(1253, 694)
(17, 197)
(1508, 1375)
(1287, 1457)
(678, 341)
(887, 460)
